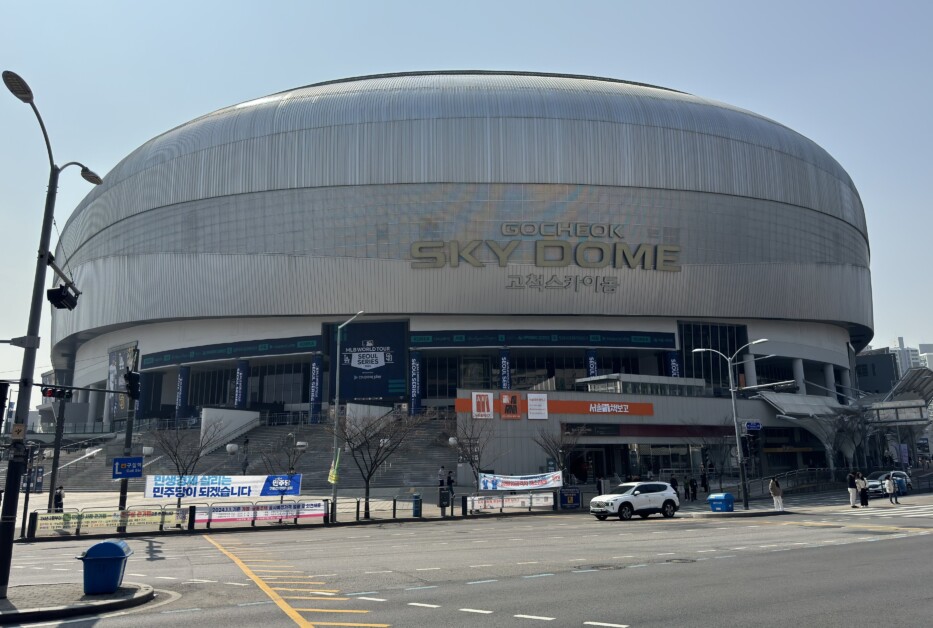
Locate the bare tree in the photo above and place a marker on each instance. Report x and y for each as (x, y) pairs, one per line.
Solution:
(718, 441)
(185, 448)
(560, 446)
(371, 442)
(473, 437)
(282, 454)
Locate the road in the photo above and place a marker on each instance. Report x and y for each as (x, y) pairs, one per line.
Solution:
(823, 566)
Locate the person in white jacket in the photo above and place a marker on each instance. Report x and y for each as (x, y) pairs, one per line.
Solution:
(777, 493)
(890, 489)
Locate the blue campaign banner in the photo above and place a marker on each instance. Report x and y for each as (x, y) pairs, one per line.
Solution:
(414, 382)
(222, 486)
(505, 370)
(278, 485)
(128, 467)
(592, 366)
(241, 384)
(372, 362)
(314, 394)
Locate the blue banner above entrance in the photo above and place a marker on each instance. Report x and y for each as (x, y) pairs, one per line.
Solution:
(372, 362)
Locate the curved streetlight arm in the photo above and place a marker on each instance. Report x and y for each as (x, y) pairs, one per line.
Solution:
(45, 134)
(745, 346)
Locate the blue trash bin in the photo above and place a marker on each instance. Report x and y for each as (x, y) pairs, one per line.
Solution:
(416, 505)
(104, 564)
(721, 502)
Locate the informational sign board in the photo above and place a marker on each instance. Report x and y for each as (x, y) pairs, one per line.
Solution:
(570, 498)
(752, 426)
(128, 467)
(537, 406)
(372, 362)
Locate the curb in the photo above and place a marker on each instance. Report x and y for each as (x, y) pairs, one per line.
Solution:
(144, 593)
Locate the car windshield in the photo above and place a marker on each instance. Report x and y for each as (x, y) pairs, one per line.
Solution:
(877, 475)
(622, 489)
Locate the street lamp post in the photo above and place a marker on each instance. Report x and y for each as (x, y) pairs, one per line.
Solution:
(735, 417)
(21, 90)
(333, 492)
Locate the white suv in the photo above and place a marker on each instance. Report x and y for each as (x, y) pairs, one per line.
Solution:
(636, 498)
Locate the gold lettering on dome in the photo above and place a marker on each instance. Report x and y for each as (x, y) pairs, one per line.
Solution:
(502, 254)
(465, 253)
(668, 257)
(428, 254)
(643, 256)
(604, 254)
(541, 254)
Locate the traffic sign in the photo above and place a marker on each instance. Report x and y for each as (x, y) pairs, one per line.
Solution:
(752, 425)
(127, 467)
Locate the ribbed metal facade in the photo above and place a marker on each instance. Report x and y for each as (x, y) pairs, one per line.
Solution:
(307, 202)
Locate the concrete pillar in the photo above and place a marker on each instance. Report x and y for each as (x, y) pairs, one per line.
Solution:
(798, 376)
(108, 407)
(830, 376)
(846, 378)
(93, 399)
(751, 376)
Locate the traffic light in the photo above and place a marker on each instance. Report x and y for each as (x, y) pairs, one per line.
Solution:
(131, 380)
(745, 447)
(62, 298)
(55, 393)
(752, 439)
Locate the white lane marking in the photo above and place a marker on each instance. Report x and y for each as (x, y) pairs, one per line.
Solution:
(539, 575)
(636, 566)
(482, 581)
(372, 599)
(629, 556)
(60, 569)
(481, 541)
(181, 610)
(583, 570)
(599, 623)
(534, 617)
(363, 593)
(420, 588)
(530, 562)
(666, 554)
(516, 539)
(424, 605)
(198, 580)
(474, 610)
(480, 565)
(238, 584)
(737, 548)
(428, 569)
(764, 546)
(138, 575)
(320, 575)
(576, 560)
(704, 551)
(383, 571)
(254, 603)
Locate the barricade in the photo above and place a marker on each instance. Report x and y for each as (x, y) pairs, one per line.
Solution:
(479, 502)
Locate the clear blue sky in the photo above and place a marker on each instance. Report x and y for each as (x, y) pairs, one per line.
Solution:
(855, 77)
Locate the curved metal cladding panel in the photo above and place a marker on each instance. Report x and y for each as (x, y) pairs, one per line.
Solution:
(309, 202)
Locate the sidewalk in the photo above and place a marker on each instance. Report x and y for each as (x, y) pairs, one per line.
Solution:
(45, 602)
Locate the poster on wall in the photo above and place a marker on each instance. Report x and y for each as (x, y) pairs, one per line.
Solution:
(510, 411)
(482, 405)
(492, 482)
(537, 406)
(121, 360)
(372, 362)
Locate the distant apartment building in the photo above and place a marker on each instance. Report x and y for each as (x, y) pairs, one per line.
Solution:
(877, 370)
(907, 357)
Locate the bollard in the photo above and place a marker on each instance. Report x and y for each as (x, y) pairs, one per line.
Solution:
(326, 517)
(357, 509)
(416, 505)
(394, 505)
(463, 505)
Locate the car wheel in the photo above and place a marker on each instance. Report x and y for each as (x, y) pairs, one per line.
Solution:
(625, 512)
(668, 509)
(601, 517)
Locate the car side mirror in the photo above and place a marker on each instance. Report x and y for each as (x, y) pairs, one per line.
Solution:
(637, 493)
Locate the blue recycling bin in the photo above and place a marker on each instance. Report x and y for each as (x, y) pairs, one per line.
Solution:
(416, 505)
(721, 502)
(104, 564)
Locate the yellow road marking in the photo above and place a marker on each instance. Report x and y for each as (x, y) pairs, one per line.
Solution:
(329, 610)
(284, 606)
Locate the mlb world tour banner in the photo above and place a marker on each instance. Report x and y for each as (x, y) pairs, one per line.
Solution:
(490, 482)
(222, 486)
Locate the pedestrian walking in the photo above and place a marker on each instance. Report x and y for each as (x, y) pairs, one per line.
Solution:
(890, 489)
(862, 485)
(59, 499)
(777, 494)
(693, 489)
(450, 483)
(853, 490)
(704, 482)
(441, 476)
(246, 445)
(673, 484)
(245, 465)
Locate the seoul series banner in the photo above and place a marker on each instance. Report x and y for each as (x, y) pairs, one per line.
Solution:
(490, 482)
(222, 486)
(372, 362)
